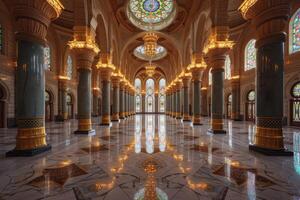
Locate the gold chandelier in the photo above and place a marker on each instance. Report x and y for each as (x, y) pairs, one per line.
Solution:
(150, 69)
(150, 43)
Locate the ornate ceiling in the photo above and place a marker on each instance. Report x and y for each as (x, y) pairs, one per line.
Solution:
(187, 32)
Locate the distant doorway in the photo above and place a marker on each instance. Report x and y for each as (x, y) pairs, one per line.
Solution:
(295, 105)
(229, 106)
(48, 107)
(70, 106)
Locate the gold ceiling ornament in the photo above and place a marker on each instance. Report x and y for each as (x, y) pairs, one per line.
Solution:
(150, 69)
(57, 5)
(245, 6)
(89, 43)
(214, 43)
(150, 43)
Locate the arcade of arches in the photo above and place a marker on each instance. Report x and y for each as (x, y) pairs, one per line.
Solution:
(149, 99)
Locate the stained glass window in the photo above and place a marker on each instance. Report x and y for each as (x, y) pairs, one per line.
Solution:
(230, 98)
(251, 96)
(47, 58)
(69, 67)
(295, 33)
(250, 55)
(227, 67)
(47, 96)
(296, 90)
(162, 96)
(151, 14)
(138, 85)
(150, 95)
(1, 39)
(209, 77)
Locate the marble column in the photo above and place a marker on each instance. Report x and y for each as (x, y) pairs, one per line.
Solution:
(203, 105)
(96, 94)
(126, 101)
(62, 96)
(122, 99)
(235, 104)
(174, 108)
(167, 103)
(156, 96)
(178, 99)
(196, 79)
(186, 79)
(105, 77)
(32, 21)
(270, 19)
(217, 58)
(116, 98)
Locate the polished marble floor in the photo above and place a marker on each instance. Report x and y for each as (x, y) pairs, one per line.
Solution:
(128, 159)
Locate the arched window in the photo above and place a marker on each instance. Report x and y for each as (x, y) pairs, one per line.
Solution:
(47, 58)
(229, 107)
(1, 40)
(69, 105)
(69, 67)
(150, 103)
(138, 86)
(250, 55)
(295, 32)
(162, 96)
(227, 67)
(209, 77)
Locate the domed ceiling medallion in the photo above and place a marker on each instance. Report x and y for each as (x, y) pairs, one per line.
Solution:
(151, 14)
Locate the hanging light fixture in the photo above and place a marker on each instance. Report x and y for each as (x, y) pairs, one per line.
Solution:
(150, 69)
(150, 44)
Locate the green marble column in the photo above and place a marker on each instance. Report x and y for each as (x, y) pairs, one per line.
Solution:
(105, 74)
(270, 19)
(186, 79)
(62, 100)
(235, 88)
(122, 100)
(31, 32)
(178, 99)
(116, 97)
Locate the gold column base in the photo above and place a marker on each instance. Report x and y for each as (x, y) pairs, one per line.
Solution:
(30, 138)
(115, 117)
(178, 115)
(197, 120)
(270, 138)
(105, 120)
(84, 124)
(65, 115)
(217, 124)
(186, 117)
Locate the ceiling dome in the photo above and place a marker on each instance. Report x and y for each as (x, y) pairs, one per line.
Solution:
(139, 52)
(151, 14)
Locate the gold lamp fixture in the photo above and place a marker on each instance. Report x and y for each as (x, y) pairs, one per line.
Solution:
(150, 69)
(150, 43)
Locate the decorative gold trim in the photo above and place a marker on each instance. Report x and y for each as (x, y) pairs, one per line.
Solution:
(58, 7)
(245, 6)
(217, 124)
(84, 124)
(105, 119)
(30, 138)
(271, 138)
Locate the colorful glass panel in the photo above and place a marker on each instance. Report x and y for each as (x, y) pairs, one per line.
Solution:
(69, 67)
(151, 14)
(250, 55)
(296, 90)
(295, 32)
(47, 58)
(150, 95)
(162, 96)
(227, 67)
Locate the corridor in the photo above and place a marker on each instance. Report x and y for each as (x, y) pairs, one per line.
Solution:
(128, 160)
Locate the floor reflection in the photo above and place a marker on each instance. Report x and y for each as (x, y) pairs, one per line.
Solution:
(148, 156)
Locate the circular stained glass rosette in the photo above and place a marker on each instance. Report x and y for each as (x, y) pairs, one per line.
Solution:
(161, 195)
(151, 14)
(139, 52)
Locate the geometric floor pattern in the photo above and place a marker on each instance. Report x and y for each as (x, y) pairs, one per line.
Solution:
(189, 162)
